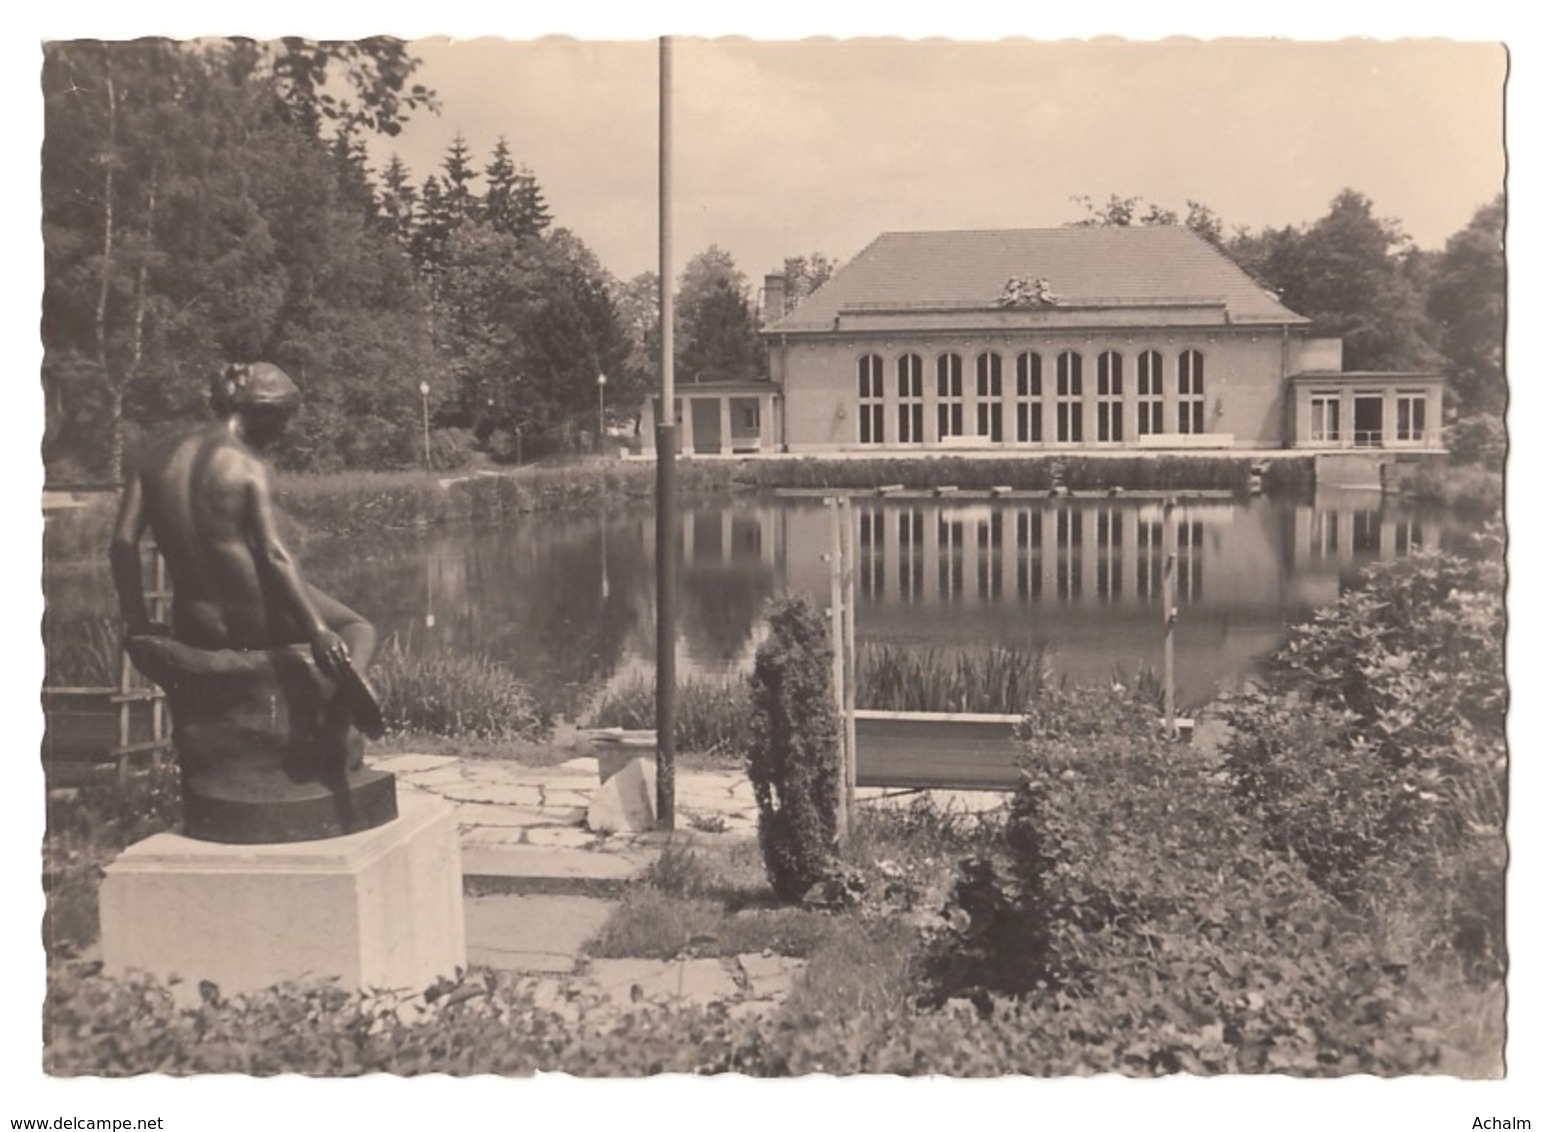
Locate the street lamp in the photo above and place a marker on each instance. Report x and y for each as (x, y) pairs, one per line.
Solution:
(599, 440)
(428, 463)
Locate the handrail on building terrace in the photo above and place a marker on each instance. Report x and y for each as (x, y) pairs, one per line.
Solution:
(1085, 303)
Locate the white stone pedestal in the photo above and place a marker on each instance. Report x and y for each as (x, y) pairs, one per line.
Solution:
(381, 909)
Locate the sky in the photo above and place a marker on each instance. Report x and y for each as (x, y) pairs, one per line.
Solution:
(786, 147)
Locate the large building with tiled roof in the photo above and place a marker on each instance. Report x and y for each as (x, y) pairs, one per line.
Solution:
(1090, 338)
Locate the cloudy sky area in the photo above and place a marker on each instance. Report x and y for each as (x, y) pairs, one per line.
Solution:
(791, 147)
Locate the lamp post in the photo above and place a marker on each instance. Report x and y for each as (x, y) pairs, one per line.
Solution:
(599, 437)
(428, 463)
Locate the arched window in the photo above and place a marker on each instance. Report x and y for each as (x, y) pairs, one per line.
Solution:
(1148, 392)
(950, 395)
(1110, 397)
(1030, 398)
(910, 399)
(1068, 397)
(987, 372)
(1191, 391)
(870, 399)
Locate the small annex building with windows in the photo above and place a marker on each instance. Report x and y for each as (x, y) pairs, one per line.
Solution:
(1088, 338)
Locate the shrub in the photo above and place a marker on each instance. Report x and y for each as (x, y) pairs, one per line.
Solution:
(1375, 752)
(1323, 796)
(452, 448)
(1479, 438)
(1468, 488)
(794, 762)
(1039, 472)
(86, 829)
(1414, 652)
(1147, 923)
(488, 1023)
(996, 938)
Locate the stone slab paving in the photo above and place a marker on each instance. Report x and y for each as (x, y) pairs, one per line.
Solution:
(682, 982)
(565, 837)
(531, 933)
(489, 793)
(547, 869)
(544, 936)
(507, 807)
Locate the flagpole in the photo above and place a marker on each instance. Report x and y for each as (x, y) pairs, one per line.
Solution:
(667, 441)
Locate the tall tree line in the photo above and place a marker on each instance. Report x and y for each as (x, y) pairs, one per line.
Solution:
(212, 201)
(202, 203)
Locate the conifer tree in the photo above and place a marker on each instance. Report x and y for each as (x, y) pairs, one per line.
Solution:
(498, 202)
(460, 202)
(398, 201)
(531, 216)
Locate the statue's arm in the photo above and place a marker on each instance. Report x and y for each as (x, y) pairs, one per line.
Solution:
(127, 571)
(274, 559)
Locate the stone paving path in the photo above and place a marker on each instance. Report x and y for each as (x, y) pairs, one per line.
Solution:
(503, 805)
(539, 883)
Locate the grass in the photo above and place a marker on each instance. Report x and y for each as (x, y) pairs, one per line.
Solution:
(713, 899)
(455, 694)
(708, 900)
(82, 652)
(356, 502)
(712, 713)
(999, 680)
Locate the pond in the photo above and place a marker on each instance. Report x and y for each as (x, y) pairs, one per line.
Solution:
(567, 600)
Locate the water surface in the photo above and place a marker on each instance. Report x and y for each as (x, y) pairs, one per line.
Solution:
(567, 601)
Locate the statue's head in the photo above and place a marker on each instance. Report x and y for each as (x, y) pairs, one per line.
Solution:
(261, 394)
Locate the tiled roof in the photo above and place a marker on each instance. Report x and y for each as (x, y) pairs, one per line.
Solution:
(1084, 267)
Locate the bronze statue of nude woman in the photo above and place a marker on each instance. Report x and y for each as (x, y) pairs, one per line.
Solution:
(263, 672)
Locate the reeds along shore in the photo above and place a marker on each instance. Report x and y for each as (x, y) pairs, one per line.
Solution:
(348, 502)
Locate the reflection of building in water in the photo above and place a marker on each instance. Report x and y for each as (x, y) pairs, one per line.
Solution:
(974, 553)
(727, 536)
(1227, 556)
(1344, 532)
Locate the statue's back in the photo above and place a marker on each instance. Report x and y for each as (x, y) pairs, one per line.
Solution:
(195, 497)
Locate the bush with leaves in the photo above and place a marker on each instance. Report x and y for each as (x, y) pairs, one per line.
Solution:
(794, 759)
(486, 1022)
(1477, 438)
(1414, 658)
(1375, 752)
(1321, 793)
(452, 448)
(997, 918)
(1144, 921)
(86, 829)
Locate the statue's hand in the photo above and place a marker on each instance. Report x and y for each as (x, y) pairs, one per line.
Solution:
(331, 653)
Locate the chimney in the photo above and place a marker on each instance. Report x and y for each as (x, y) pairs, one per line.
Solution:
(775, 302)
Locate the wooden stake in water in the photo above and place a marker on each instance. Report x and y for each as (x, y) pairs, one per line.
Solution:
(1169, 611)
(849, 657)
(838, 663)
